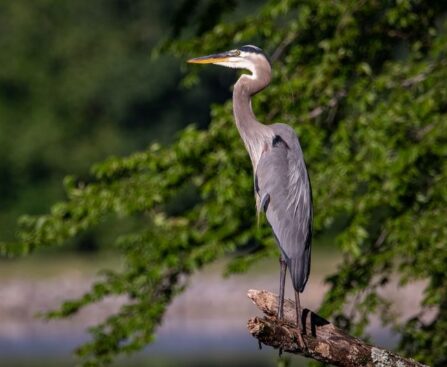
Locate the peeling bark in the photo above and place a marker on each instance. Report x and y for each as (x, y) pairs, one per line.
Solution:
(324, 342)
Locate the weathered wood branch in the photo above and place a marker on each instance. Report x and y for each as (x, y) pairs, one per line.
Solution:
(324, 342)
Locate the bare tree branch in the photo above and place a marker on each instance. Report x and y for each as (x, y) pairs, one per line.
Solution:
(324, 342)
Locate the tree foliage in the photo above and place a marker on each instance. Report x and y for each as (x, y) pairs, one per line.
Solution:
(363, 84)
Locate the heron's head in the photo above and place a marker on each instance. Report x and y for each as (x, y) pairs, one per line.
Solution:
(247, 57)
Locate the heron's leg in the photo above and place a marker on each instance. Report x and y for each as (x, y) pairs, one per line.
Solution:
(282, 282)
(299, 320)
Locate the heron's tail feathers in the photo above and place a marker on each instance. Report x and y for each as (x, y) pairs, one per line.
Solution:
(299, 268)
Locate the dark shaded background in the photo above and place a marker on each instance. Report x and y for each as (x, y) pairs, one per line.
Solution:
(78, 84)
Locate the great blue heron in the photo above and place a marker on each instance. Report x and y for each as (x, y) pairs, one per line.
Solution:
(281, 182)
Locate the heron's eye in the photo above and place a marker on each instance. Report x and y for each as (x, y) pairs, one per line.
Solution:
(236, 53)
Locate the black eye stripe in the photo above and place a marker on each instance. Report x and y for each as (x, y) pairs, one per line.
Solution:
(250, 49)
(253, 49)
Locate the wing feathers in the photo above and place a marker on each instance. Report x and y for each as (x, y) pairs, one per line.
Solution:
(282, 183)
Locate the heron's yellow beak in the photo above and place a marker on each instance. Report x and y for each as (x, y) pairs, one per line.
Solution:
(211, 59)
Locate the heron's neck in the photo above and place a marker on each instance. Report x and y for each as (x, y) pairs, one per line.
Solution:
(254, 134)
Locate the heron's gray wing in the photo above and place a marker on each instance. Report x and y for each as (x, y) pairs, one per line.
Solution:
(285, 195)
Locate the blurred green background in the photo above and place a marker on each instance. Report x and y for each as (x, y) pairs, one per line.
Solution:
(79, 83)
